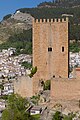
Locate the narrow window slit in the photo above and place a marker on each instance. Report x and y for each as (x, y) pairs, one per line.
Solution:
(49, 49)
(62, 49)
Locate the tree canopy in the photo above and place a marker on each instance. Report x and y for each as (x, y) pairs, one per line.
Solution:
(16, 109)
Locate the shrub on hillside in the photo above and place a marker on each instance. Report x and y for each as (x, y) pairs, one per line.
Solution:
(47, 85)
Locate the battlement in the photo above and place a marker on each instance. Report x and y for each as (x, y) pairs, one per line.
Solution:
(50, 20)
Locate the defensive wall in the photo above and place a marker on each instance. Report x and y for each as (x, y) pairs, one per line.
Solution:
(23, 86)
(65, 89)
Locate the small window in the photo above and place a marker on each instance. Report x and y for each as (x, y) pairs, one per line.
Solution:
(53, 76)
(49, 49)
(59, 76)
(62, 49)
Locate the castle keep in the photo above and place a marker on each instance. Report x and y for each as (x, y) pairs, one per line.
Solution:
(50, 50)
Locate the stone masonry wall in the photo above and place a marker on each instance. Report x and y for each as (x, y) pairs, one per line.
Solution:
(65, 89)
(50, 50)
(23, 86)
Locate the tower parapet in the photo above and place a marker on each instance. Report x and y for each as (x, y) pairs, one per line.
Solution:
(50, 20)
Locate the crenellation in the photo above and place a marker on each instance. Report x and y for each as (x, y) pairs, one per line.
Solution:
(55, 20)
(33, 21)
(47, 20)
(37, 20)
(44, 20)
(59, 20)
(63, 20)
(50, 20)
(40, 20)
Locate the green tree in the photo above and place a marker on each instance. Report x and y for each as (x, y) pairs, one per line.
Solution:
(70, 116)
(21, 41)
(35, 99)
(26, 64)
(6, 17)
(16, 109)
(33, 71)
(57, 116)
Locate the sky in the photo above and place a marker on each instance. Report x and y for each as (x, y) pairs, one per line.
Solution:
(10, 6)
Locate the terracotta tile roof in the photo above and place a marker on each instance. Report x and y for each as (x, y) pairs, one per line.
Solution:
(78, 69)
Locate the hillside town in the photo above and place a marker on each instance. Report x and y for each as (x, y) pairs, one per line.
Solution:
(74, 59)
(10, 70)
(10, 65)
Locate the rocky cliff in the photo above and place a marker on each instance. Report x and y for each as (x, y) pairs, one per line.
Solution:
(16, 23)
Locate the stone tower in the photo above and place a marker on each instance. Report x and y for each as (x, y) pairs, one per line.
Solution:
(50, 50)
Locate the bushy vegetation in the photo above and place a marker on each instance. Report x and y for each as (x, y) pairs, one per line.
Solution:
(33, 71)
(6, 17)
(59, 116)
(1, 86)
(4, 97)
(16, 109)
(35, 99)
(26, 65)
(53, 13)
(60, 3)
(21, 41)
(47, 85)
(75, 47)
(36, 117)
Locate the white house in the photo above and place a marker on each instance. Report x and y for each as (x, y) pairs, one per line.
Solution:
(35, 110)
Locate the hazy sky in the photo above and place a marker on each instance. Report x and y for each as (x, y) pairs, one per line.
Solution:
(10, 6)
